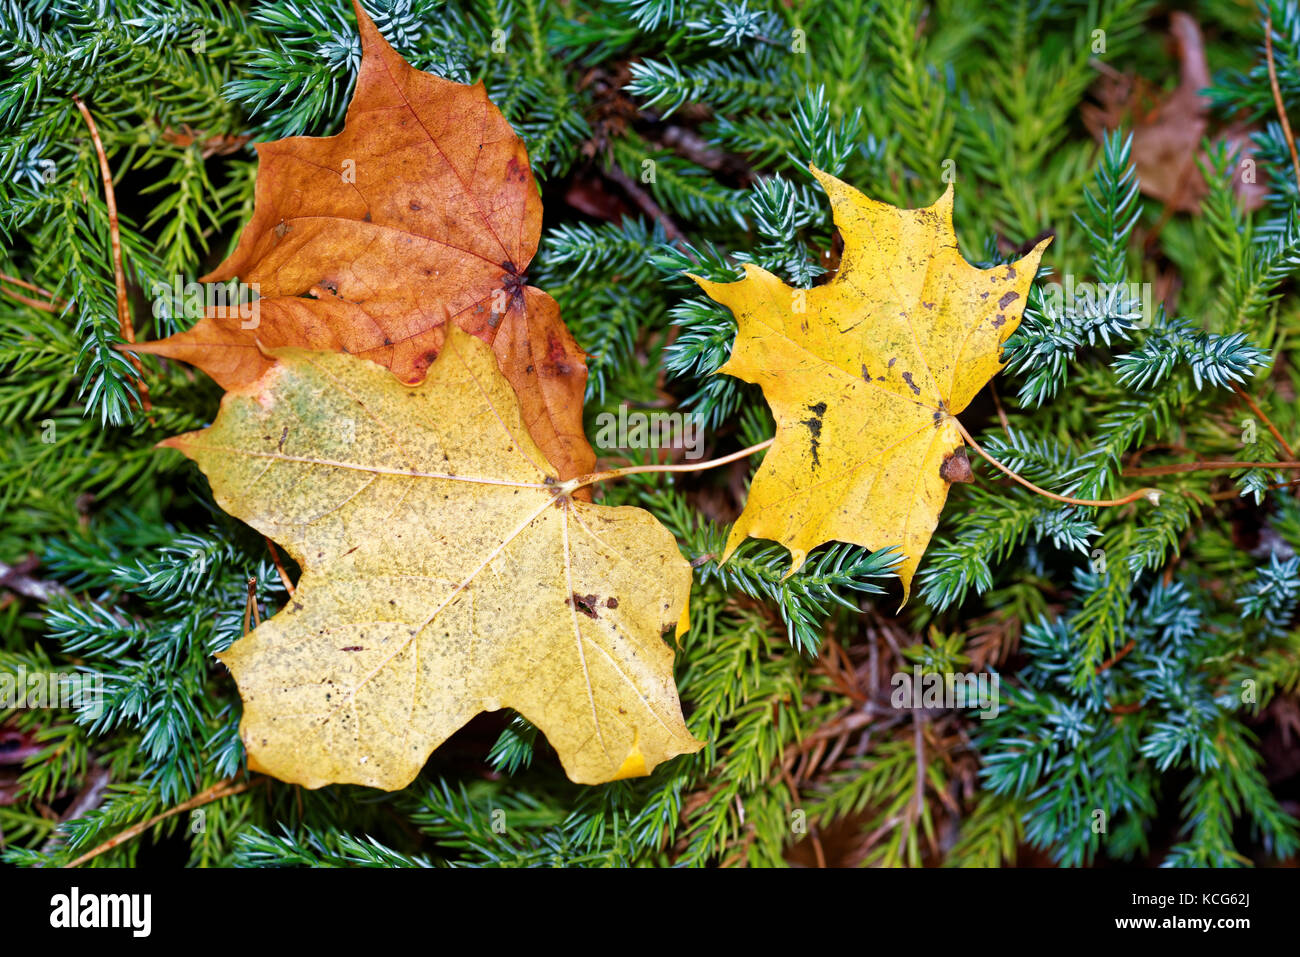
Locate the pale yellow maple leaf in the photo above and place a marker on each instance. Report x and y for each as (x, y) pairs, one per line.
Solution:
(445, 572)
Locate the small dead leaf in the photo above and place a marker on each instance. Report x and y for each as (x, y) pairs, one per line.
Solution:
(864, 375)
(1168, 128)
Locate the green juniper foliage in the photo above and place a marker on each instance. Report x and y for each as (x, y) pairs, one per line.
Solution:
(1144, 652)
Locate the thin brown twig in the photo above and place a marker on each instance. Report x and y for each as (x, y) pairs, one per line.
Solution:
(55, 304)
(1254, 407)
(284, 575)
(918, 741)
(222, 789)
(251, 614)
(997, 404)
(125, 326)
(1277, 93)
(27, 301)
(1237, 493)
(1117, 657)
(30, 287)
(1178, 468)
(646, 202)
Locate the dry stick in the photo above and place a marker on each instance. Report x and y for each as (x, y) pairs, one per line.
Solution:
(1277, 92)
(1178, 468)
(125, 326)
(1267, 421)
(646, 203)
(34, 303)
(284, 575)
(250, 607)
(55, 304)
(1237, 493)
(997, 404)
(30, 287)
(1150, 494)
(1112, 661)
(918, 742)
(221, 789)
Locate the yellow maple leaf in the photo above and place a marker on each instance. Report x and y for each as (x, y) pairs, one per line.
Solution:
(864, 376)
(445, 572)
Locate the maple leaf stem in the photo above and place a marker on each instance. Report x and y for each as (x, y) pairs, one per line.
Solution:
(584, 480)
(1152, 495)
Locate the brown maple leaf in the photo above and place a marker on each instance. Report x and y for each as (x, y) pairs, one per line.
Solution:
(423, 209)
(1169, 128)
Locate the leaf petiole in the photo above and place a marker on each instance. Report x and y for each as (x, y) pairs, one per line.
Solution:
(591, 479)
(1152, 495)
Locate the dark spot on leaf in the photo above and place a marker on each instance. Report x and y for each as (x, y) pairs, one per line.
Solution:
(907, 377)
(415, 207)
(892, 361)
(1011, 272)
(956, 467)
(998, 320)
(815, 430)
(352, 648)
(584, 603)
(611, 602)
(513, 283)
(1007, 299)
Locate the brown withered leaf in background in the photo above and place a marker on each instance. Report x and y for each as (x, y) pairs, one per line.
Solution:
(423, 209)
(1168, 128)
(15, 748)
